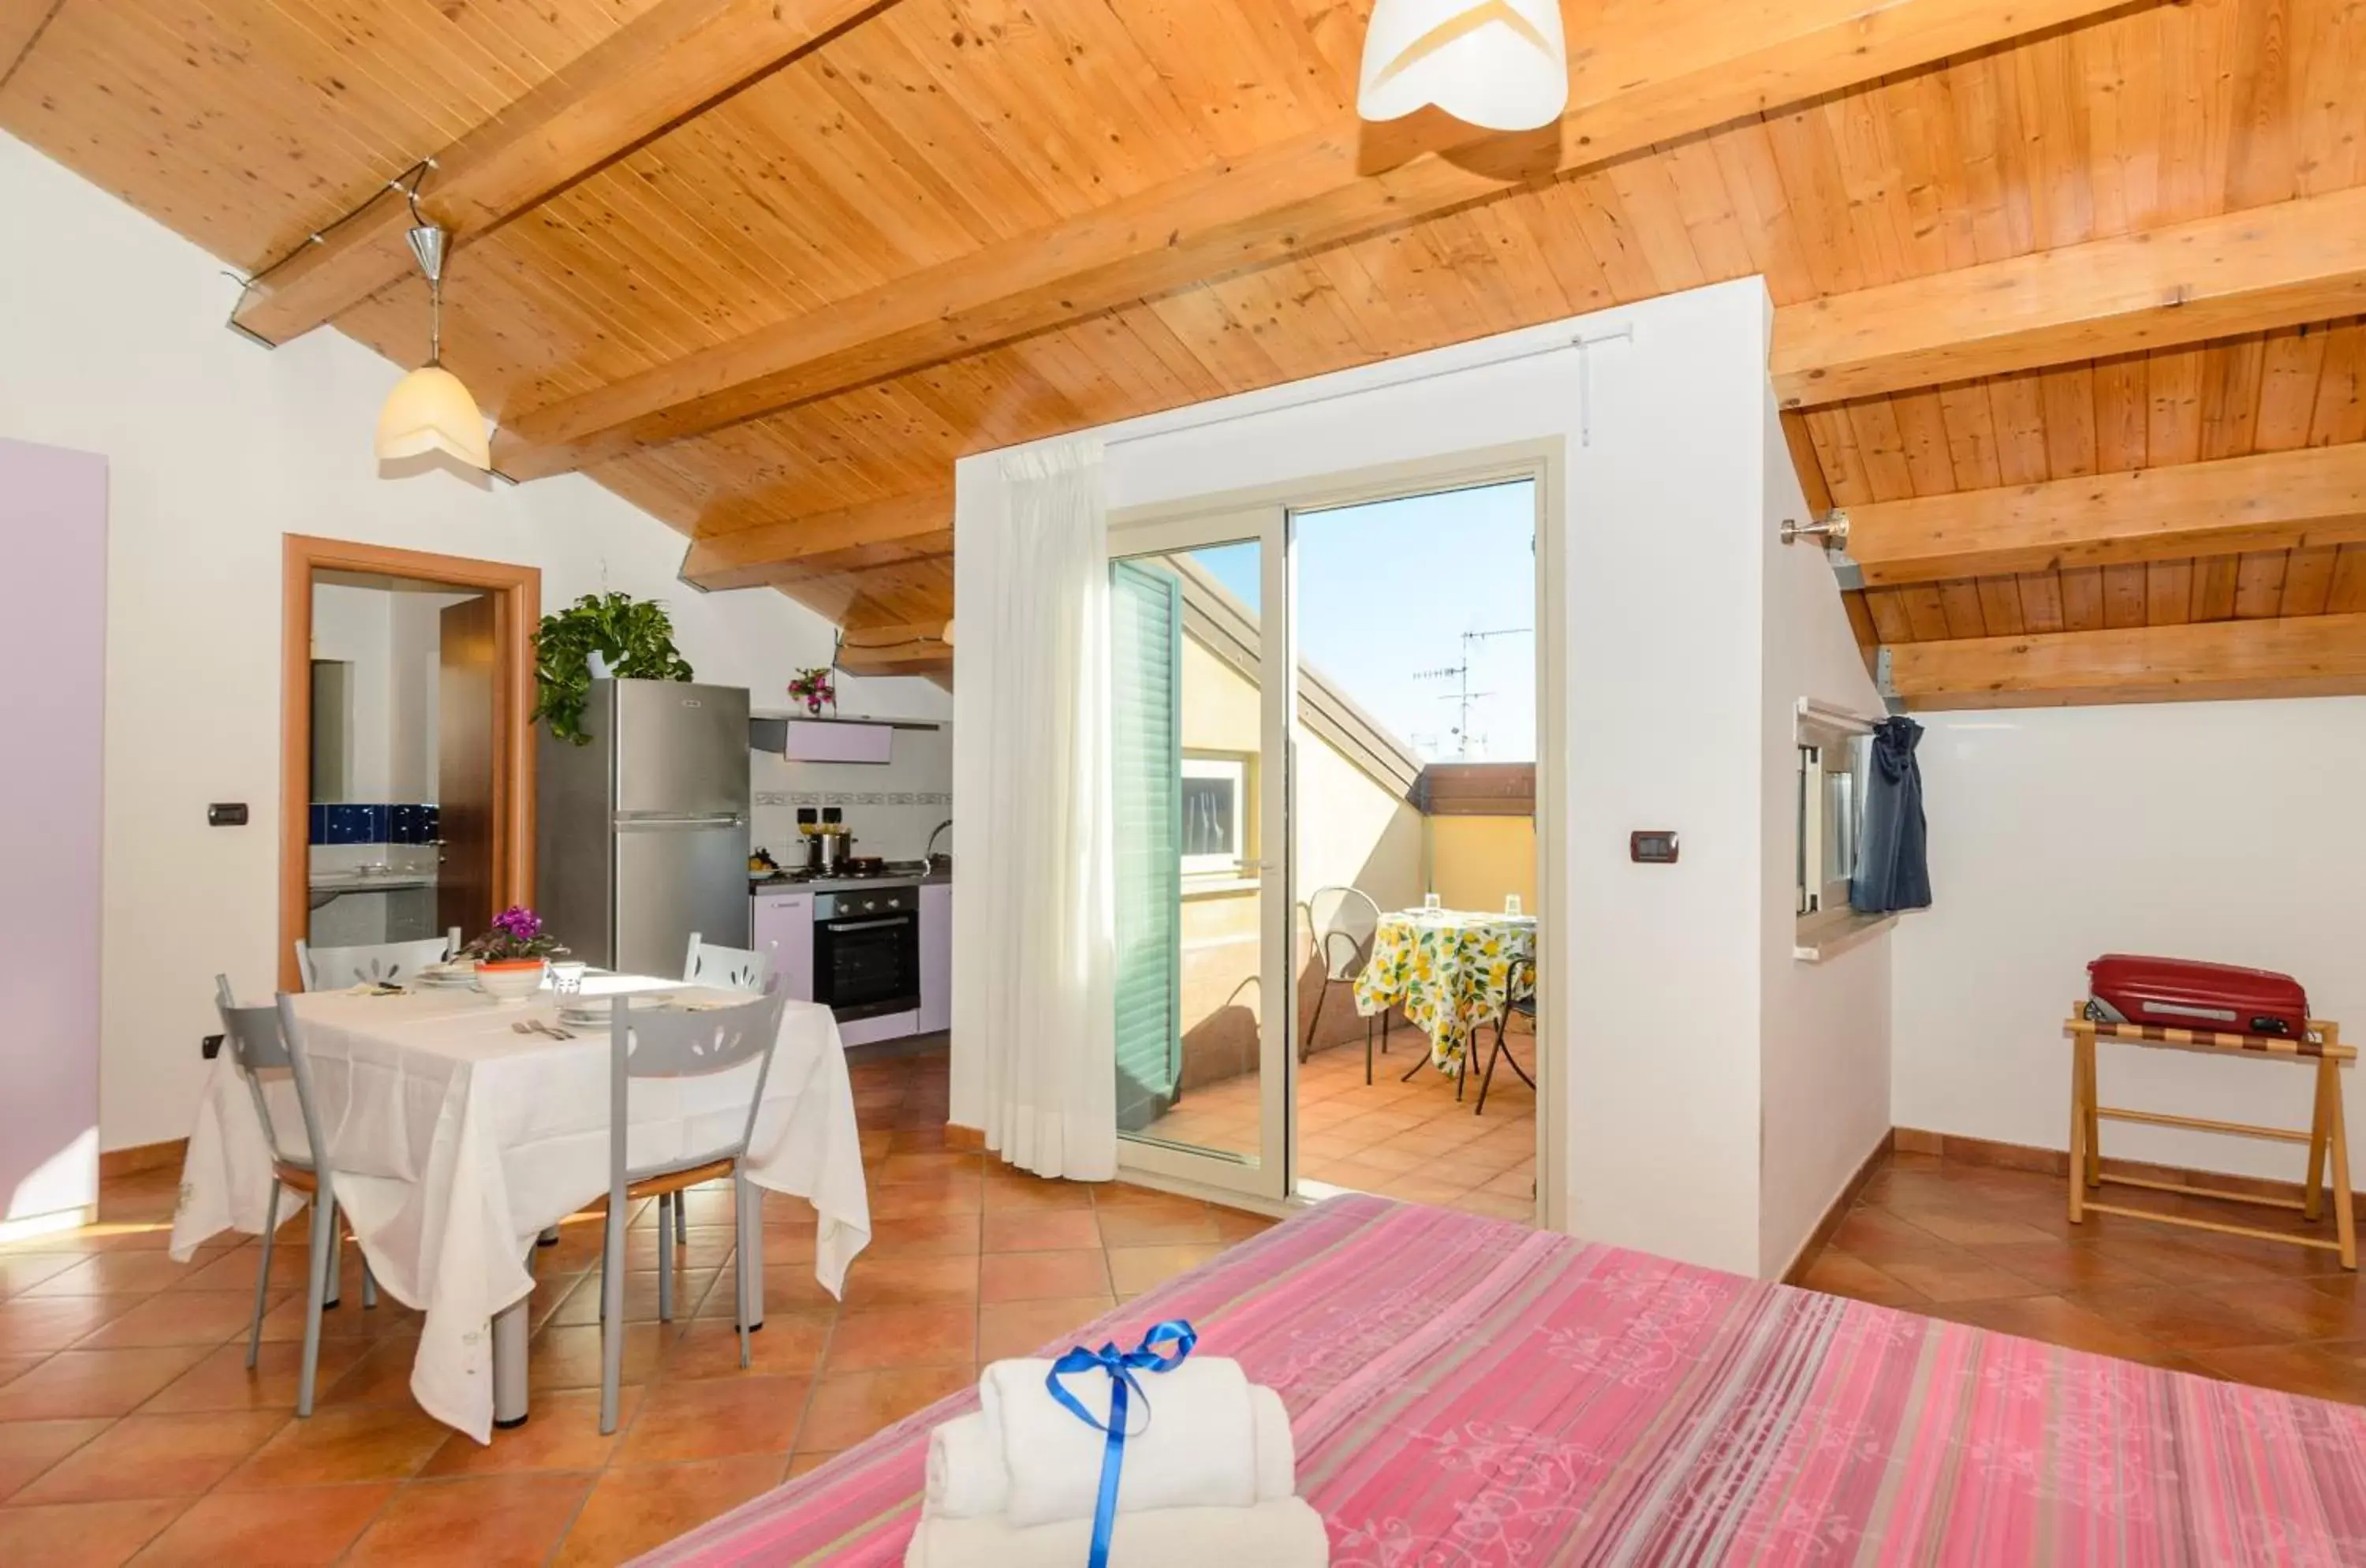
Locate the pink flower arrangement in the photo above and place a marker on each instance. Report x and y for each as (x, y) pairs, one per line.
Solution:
(517, 937)
(814, 688)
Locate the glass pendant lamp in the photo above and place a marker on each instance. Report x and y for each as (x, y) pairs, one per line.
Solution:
(1497, 65)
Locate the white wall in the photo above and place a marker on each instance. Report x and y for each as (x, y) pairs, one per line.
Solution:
(1656, 970)
(2226, 831)
(890, 807)
(1824, 1029)
(111, 340)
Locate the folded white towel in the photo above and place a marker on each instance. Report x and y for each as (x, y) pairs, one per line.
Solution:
(969, 1479)
(1284, 1533)
(1196, 1446)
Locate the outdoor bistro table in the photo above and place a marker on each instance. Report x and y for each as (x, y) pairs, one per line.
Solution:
(1451, 971)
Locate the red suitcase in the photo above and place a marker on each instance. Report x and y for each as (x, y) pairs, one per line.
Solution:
(2180, 993)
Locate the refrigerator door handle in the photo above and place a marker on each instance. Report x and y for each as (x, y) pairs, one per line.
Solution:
(626, 821)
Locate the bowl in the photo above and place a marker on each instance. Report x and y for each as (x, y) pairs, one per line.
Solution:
(510, 982)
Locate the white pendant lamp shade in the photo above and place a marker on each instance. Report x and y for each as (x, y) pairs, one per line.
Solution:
(430, 410)
(1498, 64)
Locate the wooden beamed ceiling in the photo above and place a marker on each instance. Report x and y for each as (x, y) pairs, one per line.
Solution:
(765, 267)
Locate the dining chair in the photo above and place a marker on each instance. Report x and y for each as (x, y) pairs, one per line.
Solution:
(663, 1043)
(1526, 1008)
(726, 969)
(333, 968)
(260, 1046)
(1344, 921)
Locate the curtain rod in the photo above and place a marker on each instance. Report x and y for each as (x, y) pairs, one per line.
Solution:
(1620, 334)
(1835, 717)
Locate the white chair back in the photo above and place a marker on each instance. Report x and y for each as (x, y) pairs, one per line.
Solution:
(392, 963)
(725, 968)
(1345, 920)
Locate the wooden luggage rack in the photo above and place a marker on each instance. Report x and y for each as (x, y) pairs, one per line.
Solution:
(2326, 1138)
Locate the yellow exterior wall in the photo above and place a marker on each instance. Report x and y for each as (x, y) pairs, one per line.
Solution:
(1475, 860)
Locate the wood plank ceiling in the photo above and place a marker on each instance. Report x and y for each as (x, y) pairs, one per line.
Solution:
(932, 162)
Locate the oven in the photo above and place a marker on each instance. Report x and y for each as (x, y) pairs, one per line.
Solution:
(867, 952)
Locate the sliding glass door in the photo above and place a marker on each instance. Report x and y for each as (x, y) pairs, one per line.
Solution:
(1202, 684)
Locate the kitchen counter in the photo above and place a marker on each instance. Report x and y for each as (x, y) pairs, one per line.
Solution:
(846, 884)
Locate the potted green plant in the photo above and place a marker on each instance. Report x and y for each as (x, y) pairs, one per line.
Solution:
(511, 956)
(632, 637)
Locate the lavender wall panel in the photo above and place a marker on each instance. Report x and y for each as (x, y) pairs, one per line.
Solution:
(53, 709)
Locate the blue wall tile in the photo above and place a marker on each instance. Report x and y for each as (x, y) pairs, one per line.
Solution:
(377, 818)
(319, 823)
(347, 825)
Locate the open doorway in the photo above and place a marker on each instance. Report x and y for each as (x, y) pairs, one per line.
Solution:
(406, 776)
(1325, 777)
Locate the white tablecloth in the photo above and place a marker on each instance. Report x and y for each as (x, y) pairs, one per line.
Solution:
(456, 1140)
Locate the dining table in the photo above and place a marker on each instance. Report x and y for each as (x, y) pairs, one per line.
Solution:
(460, 1129)
(1449, 971)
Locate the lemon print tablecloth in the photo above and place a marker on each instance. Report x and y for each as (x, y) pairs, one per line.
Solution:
(1451, 971)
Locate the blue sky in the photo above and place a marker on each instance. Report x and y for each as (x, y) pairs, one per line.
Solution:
(1386, 589)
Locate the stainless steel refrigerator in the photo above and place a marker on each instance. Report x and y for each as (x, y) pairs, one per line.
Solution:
(641, 836)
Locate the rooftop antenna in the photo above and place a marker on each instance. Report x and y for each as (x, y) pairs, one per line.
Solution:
(1462, 697)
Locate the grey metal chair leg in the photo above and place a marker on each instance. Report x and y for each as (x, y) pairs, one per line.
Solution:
(369, 1283)
(680, 1219)
(744, 1214)
(666, 1203)
(1306, 1046)
(1367, 1053)
(612, 1316)
(263, 1274)
(323, 1261)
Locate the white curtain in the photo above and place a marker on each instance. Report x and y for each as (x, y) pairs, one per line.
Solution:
(1037, 853)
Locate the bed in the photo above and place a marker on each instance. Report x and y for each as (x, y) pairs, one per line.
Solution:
(1467, 1392)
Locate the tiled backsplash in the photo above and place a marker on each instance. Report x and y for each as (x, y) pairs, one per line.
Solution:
(376, 823)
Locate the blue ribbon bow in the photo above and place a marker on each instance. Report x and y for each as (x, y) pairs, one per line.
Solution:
(1120, 1365)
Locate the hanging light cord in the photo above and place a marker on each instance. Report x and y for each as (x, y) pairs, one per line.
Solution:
(434, 273)
(407, 183)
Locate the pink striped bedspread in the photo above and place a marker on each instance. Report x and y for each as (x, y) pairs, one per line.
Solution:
(1467, 1391)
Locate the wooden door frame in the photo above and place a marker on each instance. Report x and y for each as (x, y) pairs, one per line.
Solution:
(517, 611)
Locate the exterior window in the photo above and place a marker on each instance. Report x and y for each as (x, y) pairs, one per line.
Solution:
(1215, 814)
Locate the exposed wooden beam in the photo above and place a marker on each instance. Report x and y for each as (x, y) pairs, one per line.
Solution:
(1645, 74)
(782, 552)
(911, 648)
(22, 22)
(2315, 495)
(2270, 266)
(2301, 656)
(667, 63)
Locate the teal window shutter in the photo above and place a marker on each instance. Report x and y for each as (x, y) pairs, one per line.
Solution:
(1146, 654)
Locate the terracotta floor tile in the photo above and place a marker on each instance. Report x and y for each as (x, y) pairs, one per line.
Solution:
(492, 1521)
(932, 1335)
(114, 1273)
(1007, 1329)
(915, 1235)
(799, 1464)
(195, 1317)
(1034, 1276)
(93, 1382)
(155, 1456)
(2073, 1325)
(1841, 1274)
(1042, 1230)
(562, 1434)
(1133, 1269)
(23, 1270)
(348, 1443)
(714, 1418)
(2064, 1265)
(29, 1447)
(302, 1527)
(907, 1202)
(849, 1407)
(1238, 1224)
(633, 1508)
(905, 1282)
(1004, 1193)
(2321, 1372)
(222, 1380)
(36, 1325)
(1126, 1226)
(1955, 1276)
(789, 1344)
(569, 1356)
(2191, 1321)
(381, 1376)
(1969, 1227)
(84, 1535)
(581, 1306)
